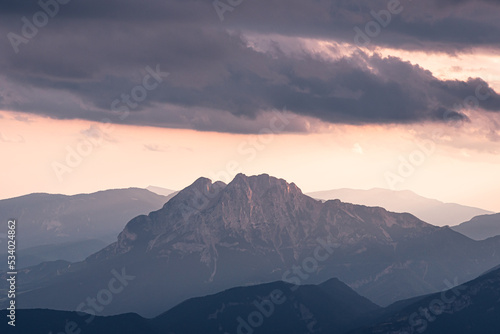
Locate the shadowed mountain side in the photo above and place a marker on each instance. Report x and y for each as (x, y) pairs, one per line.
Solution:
(270, 308)
(471, 308)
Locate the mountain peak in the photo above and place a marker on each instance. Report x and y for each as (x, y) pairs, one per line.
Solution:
(201, 182)
(263, 183)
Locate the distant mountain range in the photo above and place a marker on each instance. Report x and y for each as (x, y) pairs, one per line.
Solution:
(212, 236)
(161, 191)
(278, 307)
(480, 227)
(54, 227)
(429, 210)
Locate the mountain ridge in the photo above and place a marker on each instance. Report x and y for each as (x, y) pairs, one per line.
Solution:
(432, 211)
(73, 224)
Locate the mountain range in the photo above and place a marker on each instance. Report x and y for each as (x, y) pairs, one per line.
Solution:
(278, 307)
(212, 236)
(275, 307)
(429, 210)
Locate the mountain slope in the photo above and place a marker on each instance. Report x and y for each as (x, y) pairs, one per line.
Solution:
(480, 227)
(429, 210)
(213, 236)
(473, 307)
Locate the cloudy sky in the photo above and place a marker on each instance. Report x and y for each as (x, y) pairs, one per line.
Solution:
(327, 94)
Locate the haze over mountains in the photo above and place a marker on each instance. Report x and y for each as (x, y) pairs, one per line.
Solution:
(53, 227)
(72, 251)
(429, 210)
(278, 307)
(211, 237)
(166, 94)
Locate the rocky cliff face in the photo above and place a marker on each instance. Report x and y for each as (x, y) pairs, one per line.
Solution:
(261, 214)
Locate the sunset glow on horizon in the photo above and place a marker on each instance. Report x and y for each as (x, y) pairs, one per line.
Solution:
(339, 156)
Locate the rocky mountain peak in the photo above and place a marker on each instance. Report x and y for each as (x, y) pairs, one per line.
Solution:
(262, 183)
(258, 188)
(262, 213)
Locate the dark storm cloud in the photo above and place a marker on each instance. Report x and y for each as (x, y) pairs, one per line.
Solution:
(447, 25)
(91, 52)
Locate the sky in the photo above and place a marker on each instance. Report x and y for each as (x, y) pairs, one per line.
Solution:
(327, 94)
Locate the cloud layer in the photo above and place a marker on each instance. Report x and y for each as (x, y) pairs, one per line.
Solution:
(91, 55)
